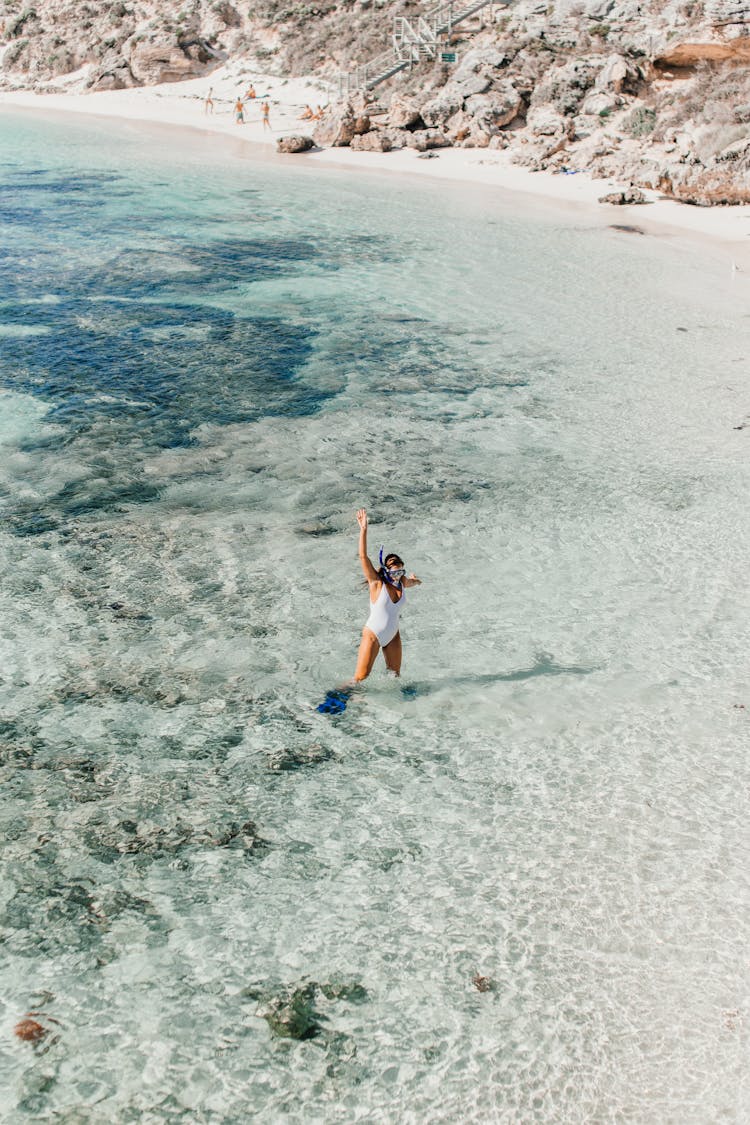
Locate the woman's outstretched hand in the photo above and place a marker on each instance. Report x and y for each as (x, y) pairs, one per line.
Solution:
(362, 518)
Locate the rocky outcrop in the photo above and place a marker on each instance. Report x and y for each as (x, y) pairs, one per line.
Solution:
(423, 139)
(403, 113)
(296, 143)
(573, 92)
(375, 141)
(141, 42)
(340, 125)
(438, 110)
(151, 63)
(621, 198)
(691, 54)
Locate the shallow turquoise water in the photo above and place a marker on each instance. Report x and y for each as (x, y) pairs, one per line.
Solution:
(208, 365)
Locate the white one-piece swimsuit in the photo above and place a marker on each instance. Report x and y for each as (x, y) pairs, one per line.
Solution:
(384, 615)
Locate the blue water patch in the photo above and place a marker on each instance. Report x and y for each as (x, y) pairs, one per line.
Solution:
(103, 359)
(186, 266)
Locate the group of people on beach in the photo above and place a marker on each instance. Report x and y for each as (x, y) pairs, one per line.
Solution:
(310, 114)
(265, 110)
(250, 95)
(239, 106)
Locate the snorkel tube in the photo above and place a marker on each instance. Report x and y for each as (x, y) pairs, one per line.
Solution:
(384, 571)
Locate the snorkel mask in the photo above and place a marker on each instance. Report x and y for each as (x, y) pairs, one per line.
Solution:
(393, 574)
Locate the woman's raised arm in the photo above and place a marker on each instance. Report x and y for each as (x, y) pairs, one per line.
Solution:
(368, 569)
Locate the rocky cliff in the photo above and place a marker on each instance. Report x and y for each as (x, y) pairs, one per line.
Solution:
(655, 92)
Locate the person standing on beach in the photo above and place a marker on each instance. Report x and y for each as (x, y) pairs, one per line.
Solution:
(265, 109)
(208, 104)
(239, 112)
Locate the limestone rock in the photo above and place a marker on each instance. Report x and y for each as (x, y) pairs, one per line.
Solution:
(423, 139)
(599, 9)
(564, 87)
(339, 126)
(402, 113)
(228, 15)
(599, 102)
(482, 60)
(397, 137)
(295, 143)
(374, 141)
(472, 84)
(709, 49)
(439, 109)
(620, 198)
(737, 153)
(478, 137)
(117, 77)
(710, 189)
(617, 75)
(459, 126)
(544, 121)
(163, 62)
(496, 109)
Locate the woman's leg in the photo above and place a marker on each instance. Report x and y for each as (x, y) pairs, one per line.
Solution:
(392, 654)
(369, 647)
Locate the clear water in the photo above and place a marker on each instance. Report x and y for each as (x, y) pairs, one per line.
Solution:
(209, 361)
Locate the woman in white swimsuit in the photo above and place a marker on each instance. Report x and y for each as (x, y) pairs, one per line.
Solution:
(387, 596)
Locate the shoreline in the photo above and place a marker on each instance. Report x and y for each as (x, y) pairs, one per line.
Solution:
(180, 105)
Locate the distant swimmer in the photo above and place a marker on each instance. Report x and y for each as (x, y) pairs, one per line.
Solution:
(208, 104)
(387, 586)
(239, 112)
(265, 109)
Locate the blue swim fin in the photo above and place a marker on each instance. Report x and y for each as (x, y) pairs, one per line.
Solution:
(334, 703)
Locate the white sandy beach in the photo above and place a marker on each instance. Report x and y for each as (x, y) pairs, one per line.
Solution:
(182, 105)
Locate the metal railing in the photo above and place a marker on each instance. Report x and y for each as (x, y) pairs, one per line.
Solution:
(412, 40)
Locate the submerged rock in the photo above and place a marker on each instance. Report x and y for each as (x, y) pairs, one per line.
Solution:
(291, 1014)
(483, 984)
(30, 1030)
(149, 840)
(316, 528)
(291, 1011)
(293, 759)
(345, 989)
